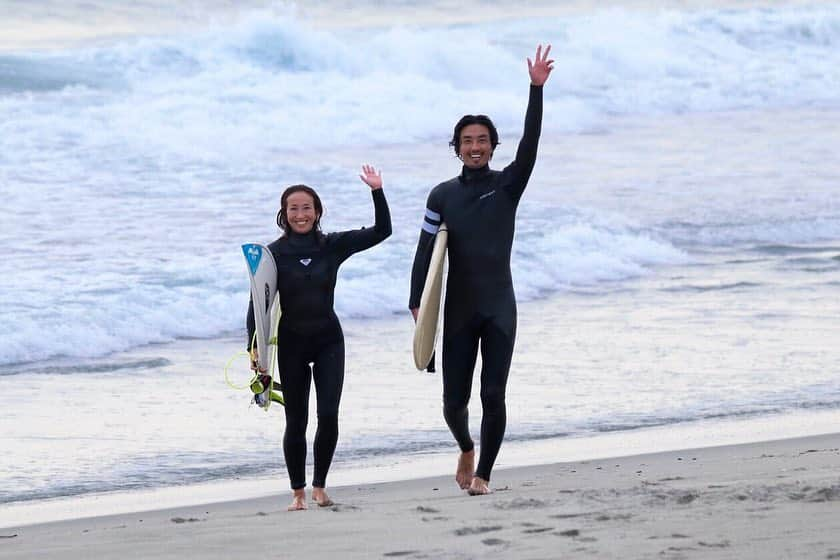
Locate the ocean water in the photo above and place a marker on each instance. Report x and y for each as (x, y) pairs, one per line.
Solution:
(677, 255)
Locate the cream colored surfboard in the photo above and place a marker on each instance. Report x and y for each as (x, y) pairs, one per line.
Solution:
(428, 316)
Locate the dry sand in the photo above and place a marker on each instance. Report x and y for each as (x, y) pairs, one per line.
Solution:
(777, 499)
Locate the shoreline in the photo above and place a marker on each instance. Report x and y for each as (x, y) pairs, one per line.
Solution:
(413, 467)
(597, 353)
(769, 499)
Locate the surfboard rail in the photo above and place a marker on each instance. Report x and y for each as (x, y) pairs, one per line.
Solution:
(428, 315)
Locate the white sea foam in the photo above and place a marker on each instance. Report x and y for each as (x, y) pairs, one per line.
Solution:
(102, 300)
(131, 172)
(256, 78)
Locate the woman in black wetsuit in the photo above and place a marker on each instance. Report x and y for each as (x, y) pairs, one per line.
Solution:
(309, 331)
(479, 209)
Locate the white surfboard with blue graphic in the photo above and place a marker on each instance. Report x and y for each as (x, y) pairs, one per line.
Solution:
(263, 273)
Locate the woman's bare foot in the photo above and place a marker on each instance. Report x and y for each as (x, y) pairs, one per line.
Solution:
(298, 500)
(319, 496)
(478, 487)
(466, 468)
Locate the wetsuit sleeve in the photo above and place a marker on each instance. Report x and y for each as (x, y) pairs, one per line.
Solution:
(353, 241)
(516, 174)
(431, 222)
(250, 323)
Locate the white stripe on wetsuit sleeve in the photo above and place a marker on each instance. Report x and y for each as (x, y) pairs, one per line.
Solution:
(431, 221)
(429, 228)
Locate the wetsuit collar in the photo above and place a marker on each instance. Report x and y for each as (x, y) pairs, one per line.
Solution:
(302, 239)
(469, 174)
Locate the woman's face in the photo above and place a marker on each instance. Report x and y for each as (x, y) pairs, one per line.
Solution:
(300, 212)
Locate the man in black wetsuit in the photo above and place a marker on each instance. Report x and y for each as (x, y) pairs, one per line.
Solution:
(309, 331)
(479, 209)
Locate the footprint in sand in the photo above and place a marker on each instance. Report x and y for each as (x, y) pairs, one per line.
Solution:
(477, 530)
(180, 520)
(617, 517)
(398, 553)
(493, 542)
(569, 533)
(537, 530)
(826, 494)
(521, 503)
(721, 544)
(687, 498)
(424, 509)
(568, 515)
(341, 508)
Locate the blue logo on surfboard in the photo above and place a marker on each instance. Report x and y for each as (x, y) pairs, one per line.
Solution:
(253, 254)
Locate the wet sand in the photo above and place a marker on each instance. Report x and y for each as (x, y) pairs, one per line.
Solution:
(774, 499)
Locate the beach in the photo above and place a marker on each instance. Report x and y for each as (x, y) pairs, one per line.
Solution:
(775, 499)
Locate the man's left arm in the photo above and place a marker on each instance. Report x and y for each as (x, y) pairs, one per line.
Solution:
(519, 171)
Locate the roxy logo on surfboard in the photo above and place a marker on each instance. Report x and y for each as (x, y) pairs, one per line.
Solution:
(305, 262)
(253, 254)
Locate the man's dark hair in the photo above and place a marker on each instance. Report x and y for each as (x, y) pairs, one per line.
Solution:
(467, 120)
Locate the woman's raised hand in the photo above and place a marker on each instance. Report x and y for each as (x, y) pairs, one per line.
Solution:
(371, 177)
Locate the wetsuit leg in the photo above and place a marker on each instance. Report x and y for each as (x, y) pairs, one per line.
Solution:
(295, 376)
(496, 354)
(459, 354)
(328, 373)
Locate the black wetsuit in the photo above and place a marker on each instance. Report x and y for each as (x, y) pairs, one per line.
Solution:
(309, 333)
(479, 209)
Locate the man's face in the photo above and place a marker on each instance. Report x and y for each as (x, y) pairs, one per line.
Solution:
(476, 149)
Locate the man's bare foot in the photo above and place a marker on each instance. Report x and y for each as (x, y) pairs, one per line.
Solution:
(319, 496)
(478, 487)
(466, 468)
(298, 500)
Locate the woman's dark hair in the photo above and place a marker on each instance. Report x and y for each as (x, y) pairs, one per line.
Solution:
(467, 120)
(282, 219)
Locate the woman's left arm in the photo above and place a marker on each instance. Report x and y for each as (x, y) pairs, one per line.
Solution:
(358, 240)
(382, 215)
